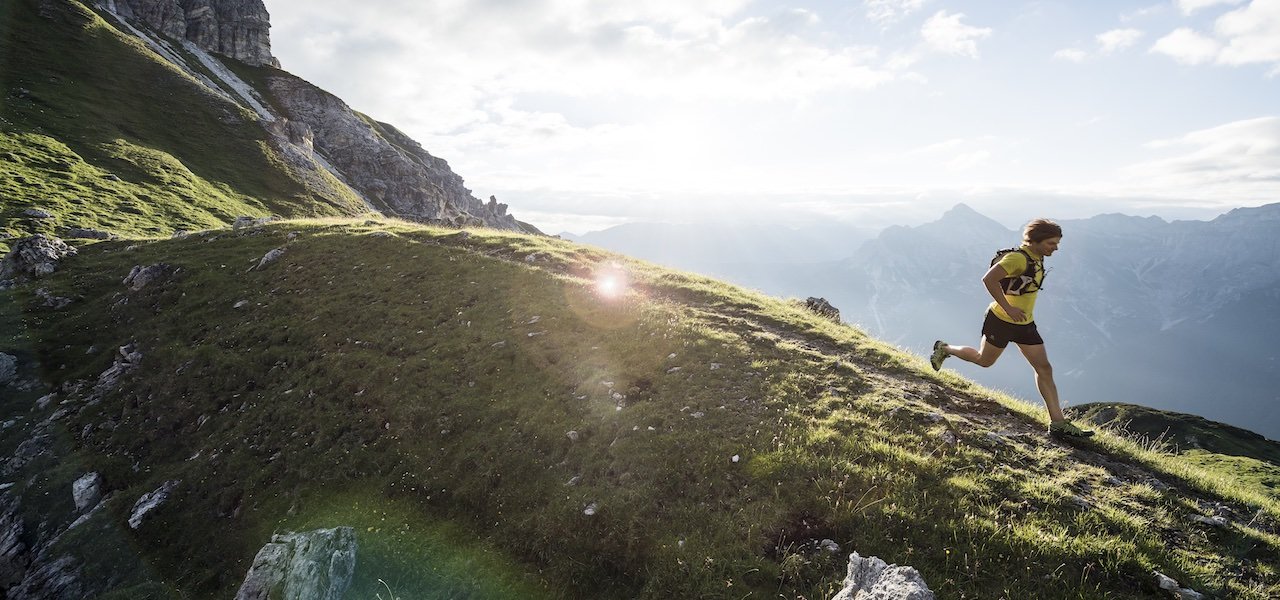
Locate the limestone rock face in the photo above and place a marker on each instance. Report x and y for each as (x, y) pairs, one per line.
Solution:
(388, 168)
(314, 565)
(236, 28)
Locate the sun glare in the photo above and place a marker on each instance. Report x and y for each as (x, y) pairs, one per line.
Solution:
(611, 283)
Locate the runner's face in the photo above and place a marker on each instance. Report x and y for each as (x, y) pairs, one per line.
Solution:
(1046, 247)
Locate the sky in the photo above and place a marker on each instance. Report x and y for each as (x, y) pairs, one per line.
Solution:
(581, 114)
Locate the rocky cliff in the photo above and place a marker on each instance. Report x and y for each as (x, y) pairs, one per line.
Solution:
(391, 170)
(322, 141)
(236, 28)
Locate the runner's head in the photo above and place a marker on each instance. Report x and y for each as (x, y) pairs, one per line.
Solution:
(1042, 235)
(1040, 230)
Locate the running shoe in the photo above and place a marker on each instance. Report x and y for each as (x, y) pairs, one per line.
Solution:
(939, 355)
(1069, 429)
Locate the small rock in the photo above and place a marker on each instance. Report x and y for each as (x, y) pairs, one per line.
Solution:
(140, 276)
(149, 502)
(830, 546)
(36, 213)
(8, 368)
(87, 490)
(573, 480)
(572, 435)
(736, 458)
(591, 509)
(111, 177)
(241, 304)
(1081, 502)
(823, 308)
(1214, 521)
(949, 438)
(270, 257)
(45, 401)
(54, 302)
(871, 577)
(1175, 590)
(673, 370)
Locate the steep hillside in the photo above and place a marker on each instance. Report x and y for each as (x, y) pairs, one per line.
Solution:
(499, 415)
(101, 133)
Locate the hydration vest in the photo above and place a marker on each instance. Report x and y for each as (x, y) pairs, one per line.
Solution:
(1025, 283)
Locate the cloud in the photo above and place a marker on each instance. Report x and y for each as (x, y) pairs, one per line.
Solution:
(1187, 47)
(1245, 36)
(888, 12)
(1190, 6)
(1252, 34)
(1117, 39)
(946, 34)
(1238, 160)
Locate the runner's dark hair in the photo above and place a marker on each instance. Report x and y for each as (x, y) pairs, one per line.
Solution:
(1040, 230)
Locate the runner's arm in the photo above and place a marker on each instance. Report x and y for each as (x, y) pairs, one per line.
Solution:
(992, 282)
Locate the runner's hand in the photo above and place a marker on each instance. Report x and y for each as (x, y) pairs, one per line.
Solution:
(1015, 313)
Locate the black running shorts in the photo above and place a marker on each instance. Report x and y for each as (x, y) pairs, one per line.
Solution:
(999, 332)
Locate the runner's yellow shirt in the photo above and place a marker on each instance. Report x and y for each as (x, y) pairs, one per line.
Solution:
(1015, 264)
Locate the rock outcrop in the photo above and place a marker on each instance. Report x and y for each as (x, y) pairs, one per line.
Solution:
(35, 256)
(388, 168)
(871, 579)
(313, 565)
(236, 28)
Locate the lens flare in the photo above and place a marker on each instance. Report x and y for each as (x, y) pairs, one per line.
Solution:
(611, 283)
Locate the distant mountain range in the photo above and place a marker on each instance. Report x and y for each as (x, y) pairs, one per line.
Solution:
(1173, 315)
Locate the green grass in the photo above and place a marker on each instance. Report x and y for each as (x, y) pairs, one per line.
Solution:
(108, 136)
(420, 385)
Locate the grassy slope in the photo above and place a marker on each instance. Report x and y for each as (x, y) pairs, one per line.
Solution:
(421, 387)
(98, 103)
(1215, 446)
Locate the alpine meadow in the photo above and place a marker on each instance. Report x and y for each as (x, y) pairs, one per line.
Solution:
(256, 344)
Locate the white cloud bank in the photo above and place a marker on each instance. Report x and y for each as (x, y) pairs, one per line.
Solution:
(1245, 36)
(1237, 161)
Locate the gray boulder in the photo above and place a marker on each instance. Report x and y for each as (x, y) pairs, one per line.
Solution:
(270, 257)
(36, 256)
(87, 490)
(872, 579)
(36, 213)
(140, 276)
(149, 502)
(823, 308)
(52, 301)
(8, 368)
(128, 360)
(313, 565)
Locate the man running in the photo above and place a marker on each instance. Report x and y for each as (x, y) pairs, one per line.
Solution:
(1013, 282)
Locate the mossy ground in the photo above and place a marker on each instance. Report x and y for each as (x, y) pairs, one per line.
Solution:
(421, 385)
